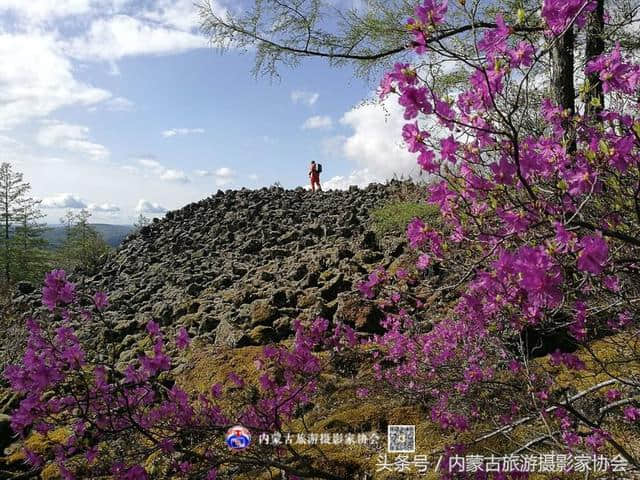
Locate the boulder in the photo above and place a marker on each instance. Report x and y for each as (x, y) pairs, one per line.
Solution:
(162, 313)
(262, 312)
(364, 316)
(262, 335)
(228, 335)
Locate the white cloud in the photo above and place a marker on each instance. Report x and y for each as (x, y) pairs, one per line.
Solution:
(45, 9)
(304, 97)
(12, 151)
(63, 200)
(224, 172)
(120, 36)
(222, 176)
(37, 75)
(375, 144)
(181, 131)
(154, 167)
(253, 177)
(105, 207)
(119, 104)
(180, 14)
(361, 178)
(145, 206)
(73, 138)
(317, 122)
(151, 165)
(130, 169)
(36, 79)
(333, 146)
(177, 176)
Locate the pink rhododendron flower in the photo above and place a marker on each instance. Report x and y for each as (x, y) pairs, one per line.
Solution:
(578, 329)
(235, 378)
(362, 392)
(571, 438)
(57, 290)
(623, 319)
(216, 390)
(504, 171)
(593, 254)
(448, 149)
(101, 301)
(560, 13)
(440, 195)
(494, 41)
(182, 339)
(92, 455)
(613, 395)
(424, 261)
(570, 360)
(612, 283)
(565, 239)
(632, 413)
(431, 12)
(426, 161)
(212, 474)
(614, 73)
(445, 113)
(414, 100)
(414, 137)
(595, 441)
(375, 278)
(522, 55)
(153, 329)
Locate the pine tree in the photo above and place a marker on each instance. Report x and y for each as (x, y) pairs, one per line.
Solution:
(13, 190)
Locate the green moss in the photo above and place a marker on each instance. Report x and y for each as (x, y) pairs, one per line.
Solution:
(394, 216)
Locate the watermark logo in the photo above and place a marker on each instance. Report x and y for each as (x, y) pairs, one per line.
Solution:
(238, 438)
(401, 438)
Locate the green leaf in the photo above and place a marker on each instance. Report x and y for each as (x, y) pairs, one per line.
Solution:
(604, 148)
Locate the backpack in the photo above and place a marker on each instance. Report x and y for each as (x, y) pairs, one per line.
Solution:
(319, 168)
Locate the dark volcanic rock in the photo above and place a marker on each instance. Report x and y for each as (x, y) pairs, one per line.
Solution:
(25, 288)
(238, 267)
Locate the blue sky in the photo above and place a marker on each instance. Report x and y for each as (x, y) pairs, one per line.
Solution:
(120, 106)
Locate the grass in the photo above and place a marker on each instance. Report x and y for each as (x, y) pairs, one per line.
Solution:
(395, 215)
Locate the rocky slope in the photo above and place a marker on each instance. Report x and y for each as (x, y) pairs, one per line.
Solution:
(238, 267)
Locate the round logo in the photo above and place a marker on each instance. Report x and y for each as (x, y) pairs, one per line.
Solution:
(238, 438)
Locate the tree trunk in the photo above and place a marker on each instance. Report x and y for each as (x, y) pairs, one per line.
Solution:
(594, 98)
(6, 237)
(562, 85)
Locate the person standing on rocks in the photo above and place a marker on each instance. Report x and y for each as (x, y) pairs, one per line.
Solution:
(314, 175)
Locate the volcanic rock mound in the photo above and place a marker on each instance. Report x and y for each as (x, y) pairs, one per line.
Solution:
(238, 267)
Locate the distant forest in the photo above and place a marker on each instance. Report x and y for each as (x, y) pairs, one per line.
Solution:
(29, 247)
(113, 235)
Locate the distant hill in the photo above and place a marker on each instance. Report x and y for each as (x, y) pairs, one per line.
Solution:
(112, 234)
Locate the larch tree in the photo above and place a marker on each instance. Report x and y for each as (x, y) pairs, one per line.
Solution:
(84, 247)
(29, 255)
(13, 199)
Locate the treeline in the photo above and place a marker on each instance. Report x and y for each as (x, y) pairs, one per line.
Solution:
(25, 254)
